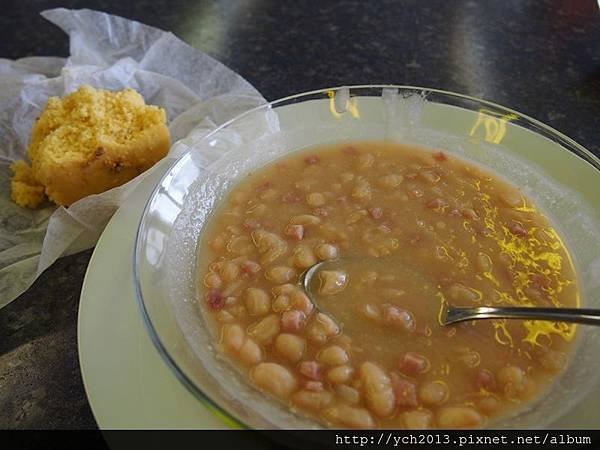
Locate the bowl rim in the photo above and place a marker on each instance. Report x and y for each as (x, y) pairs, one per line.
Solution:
(213, 406)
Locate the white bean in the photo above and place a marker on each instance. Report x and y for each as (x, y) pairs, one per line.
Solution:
(371, 311)
(378, 389)
(459, 417)
(238, 311)
(266, 329)
(284, 289)
(230, 271)
(461, 293)
(238, 344)
(269, 245)
(488, 405)
(280, 274)
(326, 251)
(301, 302)
(250, 353)
(362, 189)
(213, 280)
(333, 355)
(332, 281)
(511, 374)
(418, 419)
(304, 257)
(321, 328)
(340, 374)
(258, 302)
(347, 394)
(225, 317)
(312, 400)
(274, 378)
(484, 262)
(305, 219)
(240, 245)
(390, 181)
(282, 303)
(233, 337)
(350, 416)
(434, 392)
(290, 347)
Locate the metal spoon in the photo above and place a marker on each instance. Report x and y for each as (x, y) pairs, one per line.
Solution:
(455, 314)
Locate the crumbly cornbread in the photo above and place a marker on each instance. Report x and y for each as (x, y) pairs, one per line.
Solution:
(88, 142)
(25, 190)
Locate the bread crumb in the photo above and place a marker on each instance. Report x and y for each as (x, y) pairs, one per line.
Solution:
(24, 189)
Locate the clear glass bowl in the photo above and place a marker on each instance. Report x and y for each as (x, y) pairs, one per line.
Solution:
(558, 174)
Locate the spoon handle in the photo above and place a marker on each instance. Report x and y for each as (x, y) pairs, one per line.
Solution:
(575, 315)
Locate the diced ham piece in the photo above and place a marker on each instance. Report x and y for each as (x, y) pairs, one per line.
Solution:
(413, 364)
(293, 320)
(311, 369)
(312, 159)
(518, 230)
(295, 232)
(376, 212)
(405, 391)
(440, 156)
(215, 300)
(486, 380)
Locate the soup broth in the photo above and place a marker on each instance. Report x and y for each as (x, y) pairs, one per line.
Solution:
(406, 230)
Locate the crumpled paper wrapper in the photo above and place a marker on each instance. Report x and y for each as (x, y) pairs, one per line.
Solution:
(108, 52)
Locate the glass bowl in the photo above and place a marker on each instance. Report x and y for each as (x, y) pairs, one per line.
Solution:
(558, 174)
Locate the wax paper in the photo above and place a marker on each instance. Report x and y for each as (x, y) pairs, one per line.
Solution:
(109, 52)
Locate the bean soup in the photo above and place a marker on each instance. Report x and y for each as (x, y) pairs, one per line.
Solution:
(406, 230)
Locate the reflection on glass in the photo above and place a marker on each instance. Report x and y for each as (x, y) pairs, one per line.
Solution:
(492, 124)
(350, 106)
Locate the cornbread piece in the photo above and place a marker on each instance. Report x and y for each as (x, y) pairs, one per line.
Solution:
(88, 142)
(25, 190)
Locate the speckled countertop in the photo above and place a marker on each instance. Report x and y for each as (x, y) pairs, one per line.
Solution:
(539, 57)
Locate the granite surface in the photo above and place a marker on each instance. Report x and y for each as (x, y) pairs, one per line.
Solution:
(539, 57)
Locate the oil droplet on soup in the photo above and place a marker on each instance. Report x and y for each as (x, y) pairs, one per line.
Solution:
(414, 229)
